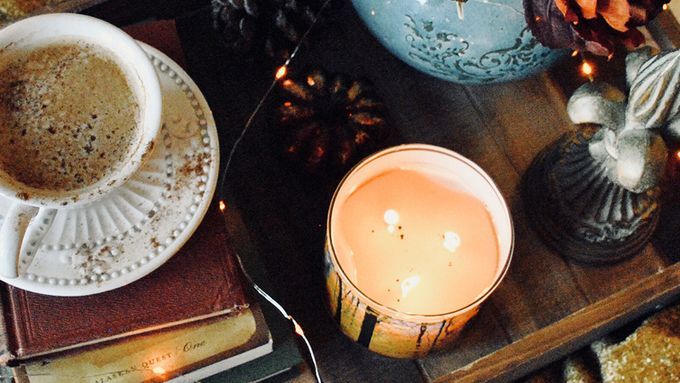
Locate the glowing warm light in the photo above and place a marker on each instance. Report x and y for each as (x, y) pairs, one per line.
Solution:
(281, 73)
(391, 218)
(407, 270)
(677, 154)
(158, 370)
(223, 206)
(287, 104)
(665, 7)
(409, 284)
(451, 241)
(298, 329)
(574, 53)
(586, 68)
(311, 81)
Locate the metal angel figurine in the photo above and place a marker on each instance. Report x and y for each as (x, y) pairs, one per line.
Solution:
(593, 195)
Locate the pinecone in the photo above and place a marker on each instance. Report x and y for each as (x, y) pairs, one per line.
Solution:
(329, 121)
(270, 27)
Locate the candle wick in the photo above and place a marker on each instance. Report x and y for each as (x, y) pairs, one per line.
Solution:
(409, 284)
(391, 218)
(459, 8)
(451, 241)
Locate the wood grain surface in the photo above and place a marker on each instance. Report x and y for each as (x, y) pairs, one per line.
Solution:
(546, 306)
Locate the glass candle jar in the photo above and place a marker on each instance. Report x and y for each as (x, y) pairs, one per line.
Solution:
(417, 238)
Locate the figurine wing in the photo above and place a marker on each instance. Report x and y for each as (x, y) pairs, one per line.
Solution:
(654, 101)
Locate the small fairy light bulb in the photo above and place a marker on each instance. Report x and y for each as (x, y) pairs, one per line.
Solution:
(281, 73)
(574, 53)
(587, 70)
(409, 284)
(677, 155)
(664, 7)
(451, 241)
(391, 218)
(158, 370)
(298, 328)
(223, 206)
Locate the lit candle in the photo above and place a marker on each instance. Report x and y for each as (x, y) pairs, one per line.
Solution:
(415, 242)
(416, 234)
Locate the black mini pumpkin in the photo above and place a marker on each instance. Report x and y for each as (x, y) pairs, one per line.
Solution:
(329, 121)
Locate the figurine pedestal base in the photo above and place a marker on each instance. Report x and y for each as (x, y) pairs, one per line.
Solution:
(578, 211)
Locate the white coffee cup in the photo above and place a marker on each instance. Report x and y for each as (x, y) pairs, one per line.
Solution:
(32, 209)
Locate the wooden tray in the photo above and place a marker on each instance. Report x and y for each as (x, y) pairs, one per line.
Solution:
(545, 308)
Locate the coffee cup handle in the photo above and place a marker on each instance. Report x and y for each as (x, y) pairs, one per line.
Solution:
(21, 222)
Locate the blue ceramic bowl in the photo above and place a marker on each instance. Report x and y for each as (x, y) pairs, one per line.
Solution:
(492, 43)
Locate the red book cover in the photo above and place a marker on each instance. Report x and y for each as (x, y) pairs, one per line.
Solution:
(201, 281)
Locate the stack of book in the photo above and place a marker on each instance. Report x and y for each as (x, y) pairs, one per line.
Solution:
(189, 319)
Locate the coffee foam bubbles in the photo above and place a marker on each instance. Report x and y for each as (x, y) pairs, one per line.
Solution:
(69, 112)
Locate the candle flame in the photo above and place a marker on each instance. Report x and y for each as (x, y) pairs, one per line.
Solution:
(391, 218)
(409, 284)
(281, 73)
(158, 370)
(451, 241)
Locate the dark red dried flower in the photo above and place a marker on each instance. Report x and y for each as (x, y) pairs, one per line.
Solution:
(597, 26)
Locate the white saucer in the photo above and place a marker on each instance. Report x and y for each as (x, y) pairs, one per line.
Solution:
(136, 228)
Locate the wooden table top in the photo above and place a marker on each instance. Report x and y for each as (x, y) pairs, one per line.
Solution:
(545, 308)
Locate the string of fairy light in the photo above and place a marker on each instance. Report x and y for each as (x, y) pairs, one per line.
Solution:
(586, 68)
(280, 74)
